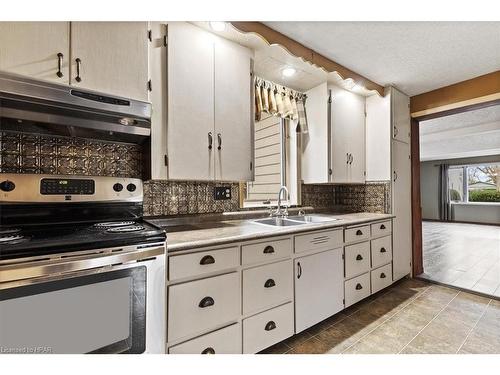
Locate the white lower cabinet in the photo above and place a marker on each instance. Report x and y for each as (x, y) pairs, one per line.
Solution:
(357, 289)
(196, 306)
(267, 286)
(267, 328)
(318, 287)
(223, 341)
(357, 259)
(381, 249)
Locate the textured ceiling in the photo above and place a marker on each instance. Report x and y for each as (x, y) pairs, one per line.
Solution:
(416, 57)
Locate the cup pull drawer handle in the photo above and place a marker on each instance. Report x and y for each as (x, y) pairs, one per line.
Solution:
(269, 283)
(383, 250)
(208, 351)
(359, 257)
(207, 259)
(382, 226)
(269, 250)
(270, 326)
(359, 286)
(382, 275)
(359, 232)
(206, 302)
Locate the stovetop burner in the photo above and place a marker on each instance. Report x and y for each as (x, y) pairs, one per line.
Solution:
(113, 224)
(10, 235)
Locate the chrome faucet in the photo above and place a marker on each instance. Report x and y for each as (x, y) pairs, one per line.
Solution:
(280, 211)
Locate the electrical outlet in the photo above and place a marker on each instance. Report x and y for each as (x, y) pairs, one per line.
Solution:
(222, 193)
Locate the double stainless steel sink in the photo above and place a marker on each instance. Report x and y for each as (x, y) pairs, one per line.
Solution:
(296, 220)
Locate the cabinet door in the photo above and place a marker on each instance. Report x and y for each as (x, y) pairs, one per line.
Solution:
(378, 138)
(400, 116)
(190, 102)
(340, 122)
(401, 190)
(356, 139)
(114, 57)
(32, 48)
(319, 287)
(233, 107)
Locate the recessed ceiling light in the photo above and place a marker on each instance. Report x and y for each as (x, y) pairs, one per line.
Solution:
(288, 72)
(217, 25)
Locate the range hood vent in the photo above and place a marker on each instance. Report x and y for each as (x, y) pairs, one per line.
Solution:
(33, 106)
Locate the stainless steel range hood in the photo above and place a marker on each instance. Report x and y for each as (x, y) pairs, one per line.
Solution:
(33, 106)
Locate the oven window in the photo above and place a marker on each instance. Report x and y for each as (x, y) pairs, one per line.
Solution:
(97, 313)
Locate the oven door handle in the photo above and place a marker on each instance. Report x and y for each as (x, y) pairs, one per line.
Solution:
(43, 268)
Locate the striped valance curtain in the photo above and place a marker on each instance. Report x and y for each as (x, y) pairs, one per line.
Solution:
(281, 101)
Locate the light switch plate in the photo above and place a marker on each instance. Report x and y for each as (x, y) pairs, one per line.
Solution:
(222, 193)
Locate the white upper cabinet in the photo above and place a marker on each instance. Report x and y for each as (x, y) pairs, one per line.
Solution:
(378, 137)
(35, 49)
(400, 104)
(233, 111)
(191, 139)
(111, 57)
(334, 148)
(210, 125)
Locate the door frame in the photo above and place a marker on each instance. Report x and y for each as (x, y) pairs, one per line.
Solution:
(416, 206)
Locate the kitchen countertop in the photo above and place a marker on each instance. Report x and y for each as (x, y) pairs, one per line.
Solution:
(223, 232)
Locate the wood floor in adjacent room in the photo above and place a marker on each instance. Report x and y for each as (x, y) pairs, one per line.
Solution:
(412, 316)
(462, 255)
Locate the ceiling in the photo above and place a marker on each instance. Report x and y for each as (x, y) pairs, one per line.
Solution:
(416, 57)
(468, 134)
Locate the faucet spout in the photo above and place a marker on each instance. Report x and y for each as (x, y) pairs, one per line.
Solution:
(279, 210)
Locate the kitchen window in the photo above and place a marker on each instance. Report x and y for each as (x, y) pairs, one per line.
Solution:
(478, 183)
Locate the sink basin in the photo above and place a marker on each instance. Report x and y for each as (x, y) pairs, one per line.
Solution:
(278, 222)
(312, 218)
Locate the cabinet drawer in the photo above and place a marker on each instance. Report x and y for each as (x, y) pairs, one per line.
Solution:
(357, 233)
(357, 259)
(268, 328)
(381, 251)
(267, 285)
(356, 289)
(265, 251)
(195, 264)
(223, 341)
(381, 277)
(199, 305)
(381, 229)
(325, 240)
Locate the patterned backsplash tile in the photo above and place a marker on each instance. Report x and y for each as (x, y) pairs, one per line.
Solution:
(318, 195)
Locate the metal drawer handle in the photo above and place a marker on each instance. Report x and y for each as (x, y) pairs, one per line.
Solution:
(268, 250)
(210, 140)
(207, 259)
(359, 232)
(270, 326)
(382, 275)
(208, 351)
(359, 286)
(219, 141)
(359, 257)
(383, 250)
(269, 283)
(382, 226)
(299, 270)
(396, 131)
(206, 302)
(78, 64)
(59, 65)
(347, 158)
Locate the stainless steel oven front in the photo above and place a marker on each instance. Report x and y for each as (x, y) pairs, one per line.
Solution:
(99, 301)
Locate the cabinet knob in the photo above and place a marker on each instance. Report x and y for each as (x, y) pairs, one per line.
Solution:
(359, 257)
(382, 275)
(59, 65)
(270, 326)
(269, 283)
(359, 232)
(382, 226)
(206, 302)
(383, 250)
(207, 259)
(208, 351)
(268, 250)
(359, 286)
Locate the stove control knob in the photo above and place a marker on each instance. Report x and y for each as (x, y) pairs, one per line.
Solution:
(117, 187)
(7, 185)
(131, 187)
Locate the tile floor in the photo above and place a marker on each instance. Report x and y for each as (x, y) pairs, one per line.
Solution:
(412, 316)
(462, 255)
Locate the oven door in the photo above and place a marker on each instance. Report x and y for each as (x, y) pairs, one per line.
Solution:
(91, 311)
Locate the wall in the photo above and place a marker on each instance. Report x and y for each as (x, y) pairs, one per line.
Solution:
(476, 212)
(429, 190)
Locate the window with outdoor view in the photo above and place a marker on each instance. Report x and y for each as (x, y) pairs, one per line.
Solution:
(475, 183)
